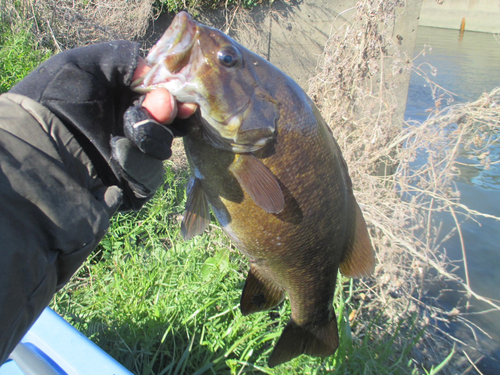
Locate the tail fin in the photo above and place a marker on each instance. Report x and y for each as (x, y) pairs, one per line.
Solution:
(313, 340)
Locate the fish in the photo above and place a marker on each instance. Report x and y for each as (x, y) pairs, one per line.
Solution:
(264, 160)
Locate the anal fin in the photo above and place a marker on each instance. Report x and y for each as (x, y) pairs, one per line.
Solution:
(197, 213)
(317, 340)
(259, 183)
(259, 294)
(359, 258)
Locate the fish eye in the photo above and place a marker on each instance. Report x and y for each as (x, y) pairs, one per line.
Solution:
(229, 57)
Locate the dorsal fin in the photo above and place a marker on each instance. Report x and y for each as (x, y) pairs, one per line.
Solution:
(197, 213)
(259, 294)
(359, 258)
(259, 183)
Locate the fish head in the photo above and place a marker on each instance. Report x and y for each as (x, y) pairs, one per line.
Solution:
(199, 64)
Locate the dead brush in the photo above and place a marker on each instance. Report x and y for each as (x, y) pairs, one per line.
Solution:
(64, 24)
(402, 173)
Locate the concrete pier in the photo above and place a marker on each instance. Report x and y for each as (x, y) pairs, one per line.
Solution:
(480, 15)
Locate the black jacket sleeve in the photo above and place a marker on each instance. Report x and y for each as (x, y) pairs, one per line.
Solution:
(51, 216)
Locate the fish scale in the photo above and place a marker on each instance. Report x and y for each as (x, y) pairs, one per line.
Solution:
(268, 165)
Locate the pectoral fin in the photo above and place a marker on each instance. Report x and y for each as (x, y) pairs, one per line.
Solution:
(259, 183)
(197, 213)
(259, 294)
(317, 340)
(359, 258)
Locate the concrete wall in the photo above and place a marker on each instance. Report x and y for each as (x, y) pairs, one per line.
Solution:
(480, 15)
(292, 34)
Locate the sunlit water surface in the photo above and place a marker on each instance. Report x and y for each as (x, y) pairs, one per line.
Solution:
(468, 68)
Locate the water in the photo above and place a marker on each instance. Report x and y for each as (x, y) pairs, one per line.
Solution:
(468, 67)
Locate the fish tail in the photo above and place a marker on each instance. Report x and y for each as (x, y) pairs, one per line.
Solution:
(311, 339)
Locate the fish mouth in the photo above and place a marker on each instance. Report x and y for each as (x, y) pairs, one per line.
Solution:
(171, 54)
(175, 44)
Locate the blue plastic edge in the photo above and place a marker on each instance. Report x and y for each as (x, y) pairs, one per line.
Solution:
(67, 347)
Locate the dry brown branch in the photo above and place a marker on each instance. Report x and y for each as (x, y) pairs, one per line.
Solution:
(66, 24)
(473, 364)
(403, 174)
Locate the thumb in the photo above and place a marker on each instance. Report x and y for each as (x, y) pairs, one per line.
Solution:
(111, 197)
(161, 105)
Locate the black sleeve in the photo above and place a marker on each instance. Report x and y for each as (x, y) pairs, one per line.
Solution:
(88, 89)
(51, 217)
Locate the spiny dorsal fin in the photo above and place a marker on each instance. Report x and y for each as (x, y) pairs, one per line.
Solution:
(259, 183)
(259, 294)
(359, 258)
(197, 213)
(317, 340)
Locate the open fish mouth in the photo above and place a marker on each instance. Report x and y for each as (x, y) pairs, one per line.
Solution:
(175, 44)
(170, 56)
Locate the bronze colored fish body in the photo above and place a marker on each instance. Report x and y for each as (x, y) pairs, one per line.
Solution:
(277, 183)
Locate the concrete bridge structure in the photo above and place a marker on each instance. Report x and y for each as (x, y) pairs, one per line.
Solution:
(480, 15)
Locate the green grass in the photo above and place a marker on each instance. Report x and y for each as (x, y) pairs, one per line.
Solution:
(160, 305)
(178, 5)
(19, 54)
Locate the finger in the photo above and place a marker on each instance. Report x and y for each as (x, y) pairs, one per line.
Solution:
(184, 110)
(142, 68)
(161, 105)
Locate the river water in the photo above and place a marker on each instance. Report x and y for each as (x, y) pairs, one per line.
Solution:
(468, 67)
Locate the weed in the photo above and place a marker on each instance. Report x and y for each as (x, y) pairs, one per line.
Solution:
(193, 5)
(19, 54)
(404, 203)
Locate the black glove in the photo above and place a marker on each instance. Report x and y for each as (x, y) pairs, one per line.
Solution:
(88, 88)
(138, 157)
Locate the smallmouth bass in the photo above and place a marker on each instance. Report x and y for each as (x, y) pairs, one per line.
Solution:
(264, 159)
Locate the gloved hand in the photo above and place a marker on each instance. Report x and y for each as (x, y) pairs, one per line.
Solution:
(138, 157)
(88, 88)
(56, 200)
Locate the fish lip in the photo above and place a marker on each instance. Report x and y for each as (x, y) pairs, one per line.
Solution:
(171, 52)
(176, 43)
(180, 35)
